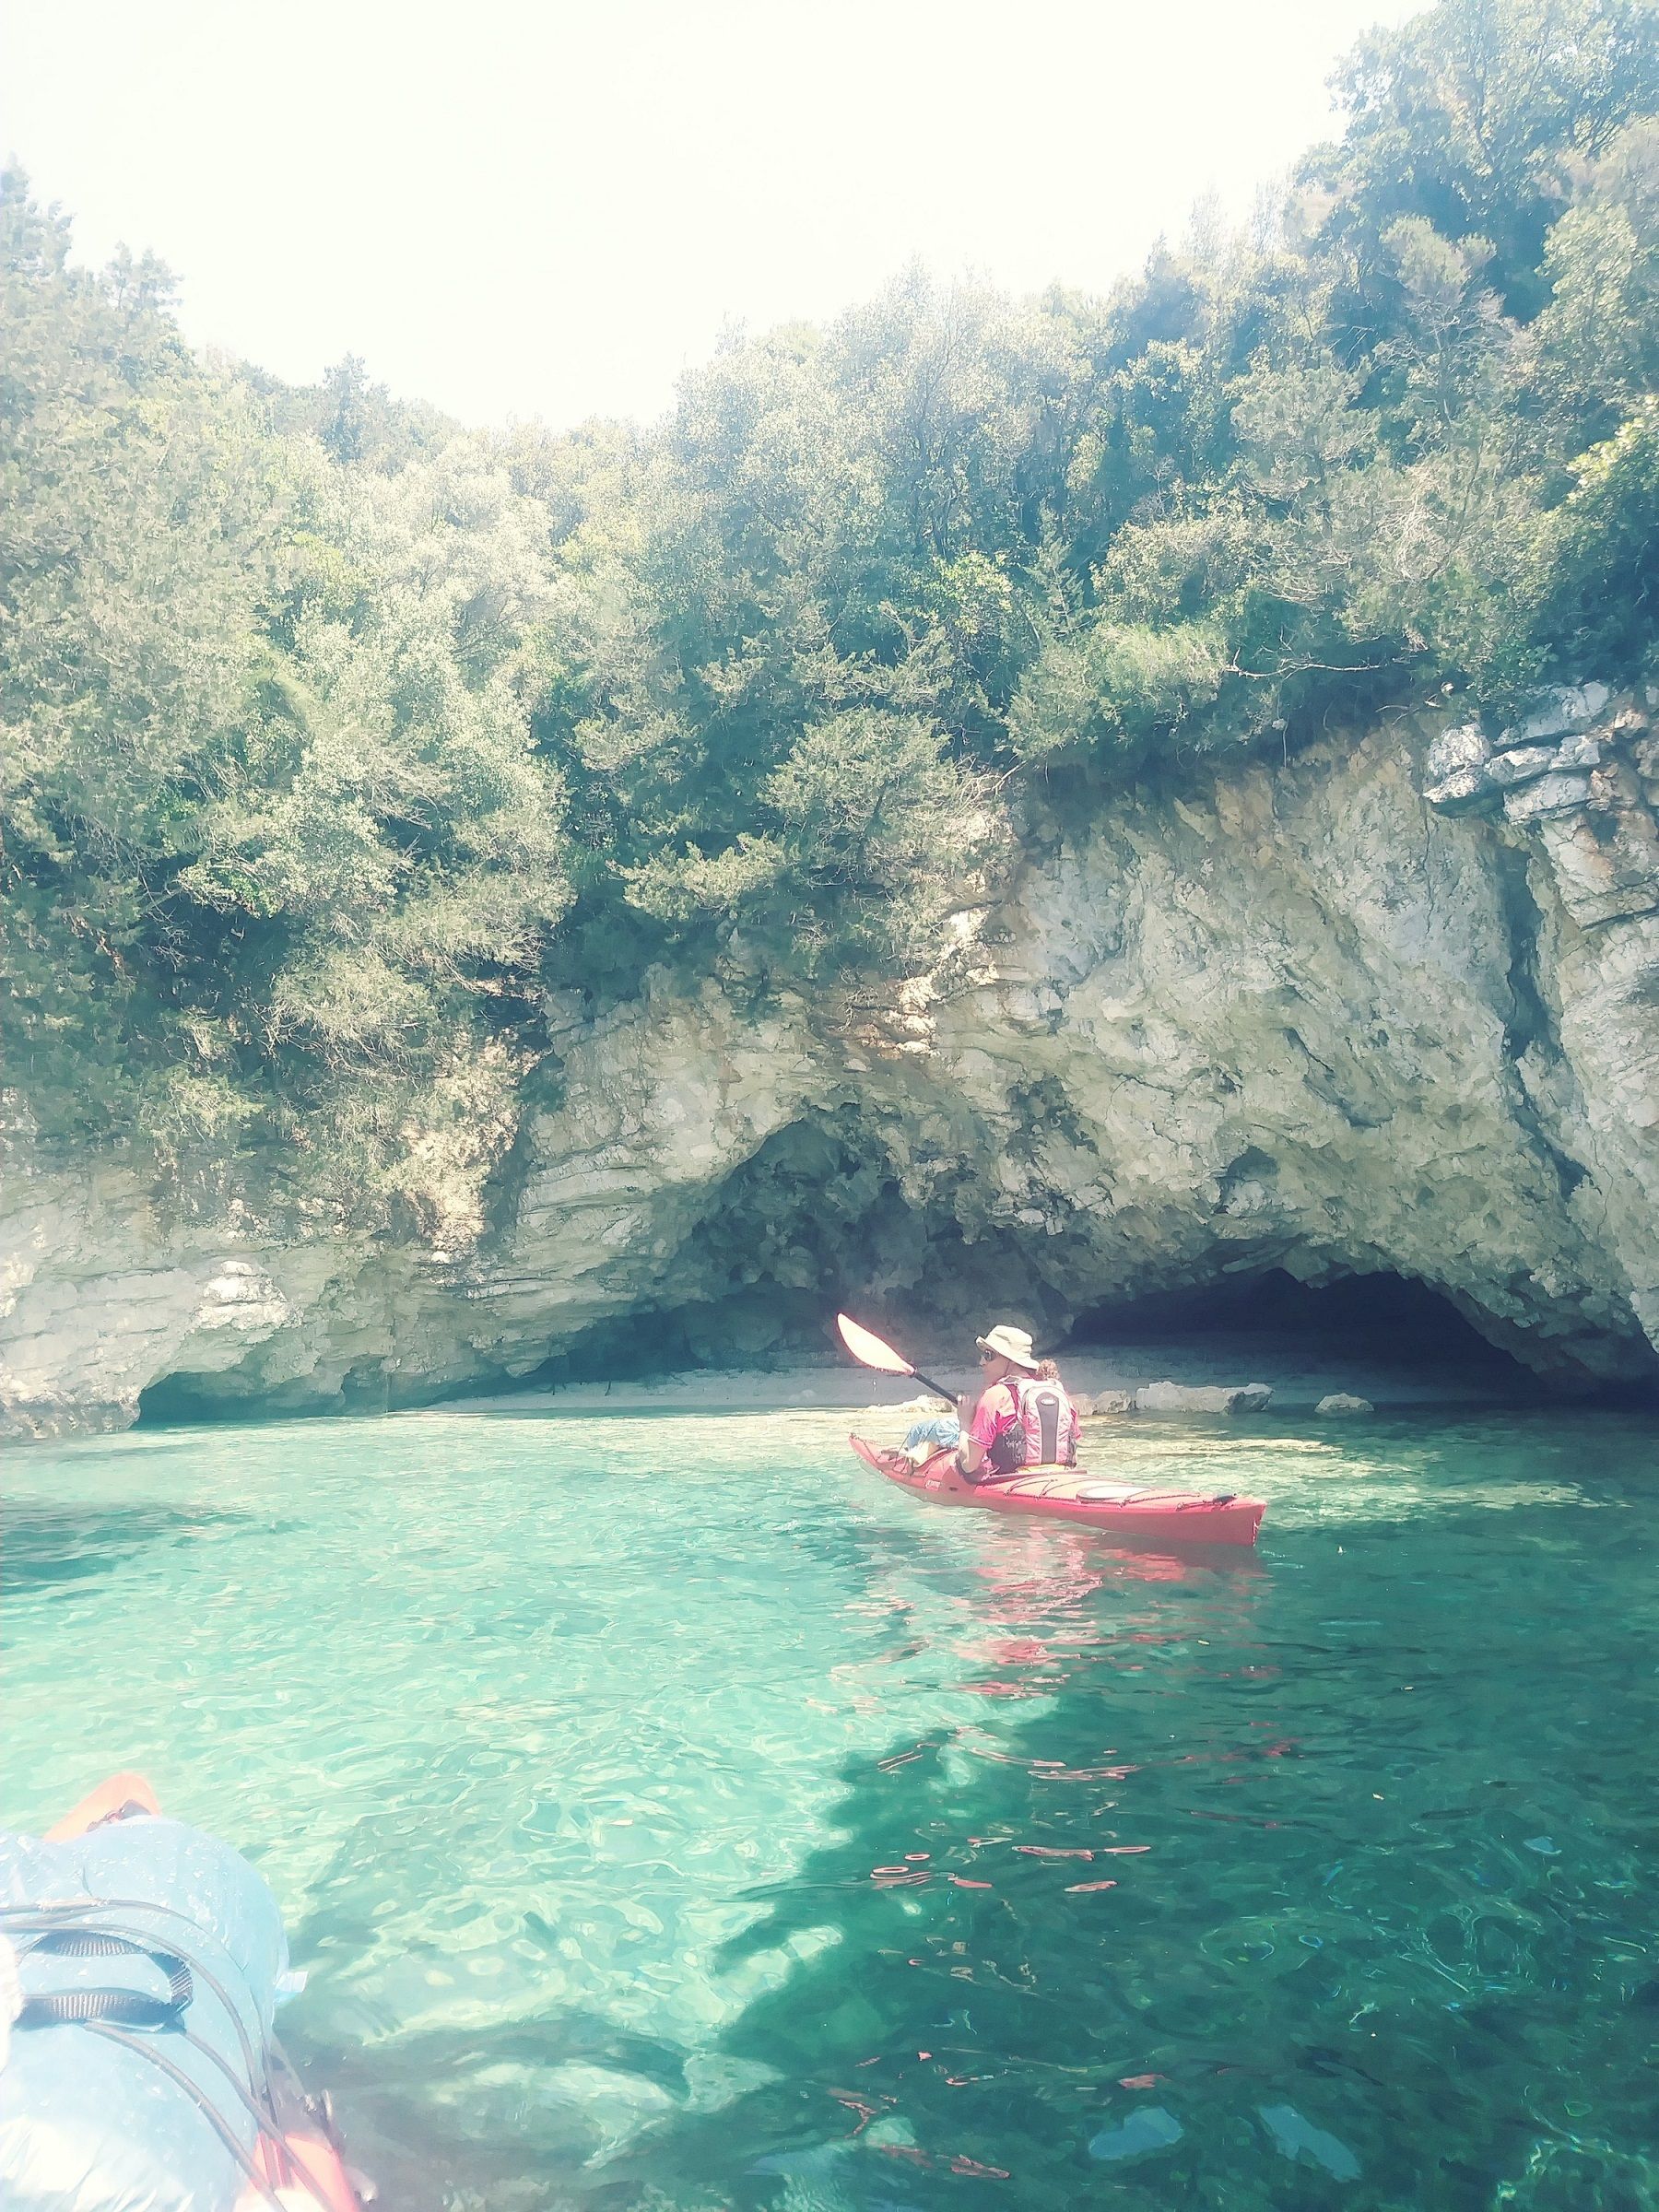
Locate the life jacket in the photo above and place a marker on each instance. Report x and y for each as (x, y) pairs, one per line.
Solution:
(1044, 1435)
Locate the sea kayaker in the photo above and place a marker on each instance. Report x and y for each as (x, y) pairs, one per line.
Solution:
(1021, 1416)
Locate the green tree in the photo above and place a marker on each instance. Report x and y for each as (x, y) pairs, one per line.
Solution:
(335, 737)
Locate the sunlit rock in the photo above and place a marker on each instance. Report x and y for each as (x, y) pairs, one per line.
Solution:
(1187, 1398)
(1523, 764)
(1298, 1022)
(1558, 793)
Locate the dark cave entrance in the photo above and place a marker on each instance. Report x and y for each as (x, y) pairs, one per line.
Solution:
(1384, 1318)
(174, 1401)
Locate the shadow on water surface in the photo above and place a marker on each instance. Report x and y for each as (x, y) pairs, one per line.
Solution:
(1268, 1886)
(1224, 1900)
(506, 2112)
(55, 1548)
(1087, 1952)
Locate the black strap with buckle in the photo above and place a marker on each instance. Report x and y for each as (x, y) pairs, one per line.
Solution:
(125, 2007)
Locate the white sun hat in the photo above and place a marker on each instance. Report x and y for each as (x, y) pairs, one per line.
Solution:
(1010, 1344)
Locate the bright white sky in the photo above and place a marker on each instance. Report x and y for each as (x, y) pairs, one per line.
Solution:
(518, 208)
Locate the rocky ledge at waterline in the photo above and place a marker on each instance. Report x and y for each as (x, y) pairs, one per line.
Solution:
(1392, 1005)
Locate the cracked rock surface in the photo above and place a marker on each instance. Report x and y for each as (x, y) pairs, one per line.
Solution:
(1392, 1005)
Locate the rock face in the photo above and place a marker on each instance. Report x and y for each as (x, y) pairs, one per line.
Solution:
(1109, 1403)
(1393, 1006)
(1185, 1397)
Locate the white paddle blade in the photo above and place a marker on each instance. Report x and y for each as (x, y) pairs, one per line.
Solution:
(870, 1349)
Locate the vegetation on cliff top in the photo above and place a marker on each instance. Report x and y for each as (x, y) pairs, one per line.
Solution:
(340, 741)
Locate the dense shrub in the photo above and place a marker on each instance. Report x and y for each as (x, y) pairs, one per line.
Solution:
(335, 737)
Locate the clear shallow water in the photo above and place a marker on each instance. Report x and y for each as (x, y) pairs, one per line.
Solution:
(670, 1815)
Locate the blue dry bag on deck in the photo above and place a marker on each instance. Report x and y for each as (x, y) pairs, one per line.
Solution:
(147, 1953)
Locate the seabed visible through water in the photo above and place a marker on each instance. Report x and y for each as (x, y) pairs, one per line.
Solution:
(669, 1814)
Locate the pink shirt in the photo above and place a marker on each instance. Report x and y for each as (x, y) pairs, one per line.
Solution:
(996, 1413)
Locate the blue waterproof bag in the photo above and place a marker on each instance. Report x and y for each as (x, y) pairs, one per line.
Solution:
(149, 1957)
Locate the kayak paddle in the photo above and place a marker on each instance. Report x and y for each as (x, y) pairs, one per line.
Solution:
(870, 1351)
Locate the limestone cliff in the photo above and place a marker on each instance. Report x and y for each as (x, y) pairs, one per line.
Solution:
(1393, 1005)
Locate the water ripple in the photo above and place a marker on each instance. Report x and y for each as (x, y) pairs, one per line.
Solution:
(671, 1814)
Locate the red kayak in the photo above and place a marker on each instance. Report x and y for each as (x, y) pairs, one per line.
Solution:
(1073, 1494)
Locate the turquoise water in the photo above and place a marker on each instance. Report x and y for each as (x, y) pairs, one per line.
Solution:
(669, 1814)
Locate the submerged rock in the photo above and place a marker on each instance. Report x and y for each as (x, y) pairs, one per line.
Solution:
(1151, 2129)
(1298, 2140)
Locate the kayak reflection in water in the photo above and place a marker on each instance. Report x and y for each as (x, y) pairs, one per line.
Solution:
(1021, 1416)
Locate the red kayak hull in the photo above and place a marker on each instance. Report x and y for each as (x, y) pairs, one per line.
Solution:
(1072, 1495)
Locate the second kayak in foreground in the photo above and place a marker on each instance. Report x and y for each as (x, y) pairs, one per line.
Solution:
(1074, 1494)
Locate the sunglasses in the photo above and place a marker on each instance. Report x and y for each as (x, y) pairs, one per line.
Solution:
(986, 1358)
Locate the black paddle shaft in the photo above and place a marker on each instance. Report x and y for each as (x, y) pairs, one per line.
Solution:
(949, 1395)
